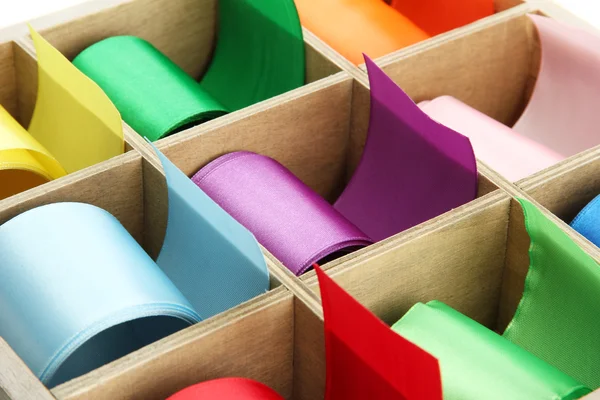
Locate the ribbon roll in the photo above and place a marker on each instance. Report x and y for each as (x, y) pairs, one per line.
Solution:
(478, 363)
(412, 169)
(558, 114)
(227, 389)
(366, 359)
(262, 195)
(512, 155)
(561, 297)
(439, 16)
(360, 26)
(89, 294)
(376, 28)
(587, 222)
(80, 299)
(557, 122)
(67, 104)
(259, 54)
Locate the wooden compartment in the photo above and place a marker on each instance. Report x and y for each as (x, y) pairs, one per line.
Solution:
(501, 7)
(122, 187)
(568, 187)
(257, 341)
(491, 66)
(309, 132)
(18, 92)
(460, 260)
(184, 30)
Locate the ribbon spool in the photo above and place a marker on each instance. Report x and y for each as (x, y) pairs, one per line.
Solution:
(67, 104)
(478, 363)
(376, 28)
(98, 296)
(587, 222)
(439, 16)
(263, 195)
(259, 54)
(557, 122)
(227, 389)
(512, 155)
(360, 26)
(80, 299)
(385, 196)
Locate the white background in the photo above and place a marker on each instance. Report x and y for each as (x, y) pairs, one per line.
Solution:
(16, 11)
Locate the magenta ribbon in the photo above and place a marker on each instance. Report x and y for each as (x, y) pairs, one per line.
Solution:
(412, 169)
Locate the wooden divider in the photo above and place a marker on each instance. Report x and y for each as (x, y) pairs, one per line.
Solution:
(317, 131)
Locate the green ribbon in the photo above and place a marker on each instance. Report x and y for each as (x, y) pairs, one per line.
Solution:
(552, 342)
(259, 54)
(477, 363)
(558, 318)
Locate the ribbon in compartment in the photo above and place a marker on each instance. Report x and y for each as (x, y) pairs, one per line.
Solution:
(227, 389)
(376, 28)
(412, 169)
(259, 54)
(73, 127)
(77, 291)
(365, 359)
(587, 222)
(536, 357)
(478, 363)
(558, 121)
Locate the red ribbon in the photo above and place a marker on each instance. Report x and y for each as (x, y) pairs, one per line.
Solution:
(227, 389)
(366, 359)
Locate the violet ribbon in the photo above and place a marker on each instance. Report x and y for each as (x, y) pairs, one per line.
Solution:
(412, 169)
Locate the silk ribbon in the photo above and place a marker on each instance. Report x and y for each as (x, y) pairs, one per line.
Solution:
(77, 291)
(561, 297)
(68, 105)
(587, 222)
(538, 355)
(478, 363)
(366, 359)
(412, 169)
(259, 54)
(376, 28)
(557, 122)
(227, 389)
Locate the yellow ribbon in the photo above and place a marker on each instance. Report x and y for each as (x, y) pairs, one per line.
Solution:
(74, 126)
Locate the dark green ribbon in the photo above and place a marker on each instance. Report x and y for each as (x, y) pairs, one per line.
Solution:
(259, 54)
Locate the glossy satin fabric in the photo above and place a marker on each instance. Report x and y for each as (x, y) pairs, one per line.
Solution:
(154, 96)
(259, 54)
(366, 359)
(439, 16)
(512, 155)
(227, 389)
(477, 363)
(67, 104)
(70, 271)
(211, 258)
(77, 291)
(557, 122)
(557, 318)
(354, 27)
(412, 169)
(559, 115)
(296, 224)
(587, 222)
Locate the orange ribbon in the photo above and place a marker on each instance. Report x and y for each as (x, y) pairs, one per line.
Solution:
(354, 27)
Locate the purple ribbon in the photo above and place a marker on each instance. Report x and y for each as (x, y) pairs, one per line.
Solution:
(412, 169)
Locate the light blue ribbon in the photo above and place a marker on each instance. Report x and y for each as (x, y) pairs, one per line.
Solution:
(77, 291)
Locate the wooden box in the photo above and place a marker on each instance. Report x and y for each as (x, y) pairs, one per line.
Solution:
(474, 257)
